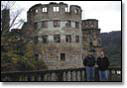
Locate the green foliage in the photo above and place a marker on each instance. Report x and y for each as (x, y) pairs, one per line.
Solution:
(17, 55)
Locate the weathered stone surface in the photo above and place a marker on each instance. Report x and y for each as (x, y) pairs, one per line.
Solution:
(74, 51)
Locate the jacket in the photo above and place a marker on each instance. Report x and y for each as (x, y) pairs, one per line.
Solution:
(103, 63)
(89, 61)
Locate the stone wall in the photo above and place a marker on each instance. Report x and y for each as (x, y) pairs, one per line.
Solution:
(91, 37)
(40, 22)
(51, 51)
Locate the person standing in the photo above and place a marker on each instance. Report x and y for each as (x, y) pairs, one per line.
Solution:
(103, 64)
(89, 63)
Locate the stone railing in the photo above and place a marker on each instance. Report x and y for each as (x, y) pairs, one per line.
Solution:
(78, 74)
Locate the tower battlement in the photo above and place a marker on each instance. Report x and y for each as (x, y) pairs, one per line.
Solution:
(54, 11)
(90, 23)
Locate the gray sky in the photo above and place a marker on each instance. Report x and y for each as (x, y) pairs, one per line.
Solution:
(107, 12)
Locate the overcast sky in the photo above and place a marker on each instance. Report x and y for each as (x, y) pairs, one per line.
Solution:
(107, 12)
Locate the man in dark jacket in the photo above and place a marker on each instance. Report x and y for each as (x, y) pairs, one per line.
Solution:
(89, 63)
(103, 64)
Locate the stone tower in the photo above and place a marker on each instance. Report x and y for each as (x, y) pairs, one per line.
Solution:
(57, 31)
(91, 37)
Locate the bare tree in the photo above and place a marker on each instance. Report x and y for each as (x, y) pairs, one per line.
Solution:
(7, 4)
(13, 18)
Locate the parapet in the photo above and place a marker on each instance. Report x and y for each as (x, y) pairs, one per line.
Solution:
(60, 11)
(90, 24)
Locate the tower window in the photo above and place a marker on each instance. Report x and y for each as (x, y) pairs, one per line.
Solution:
(44, 9)
(76, 24)
(62, 56)
(55, 9)
(57, 38)
(39, 39)
(36, 11)
(68, 38)
(77, 38)
(45, 38)
(66, 9)
(76, 11)
(68, 24)
(56, 23)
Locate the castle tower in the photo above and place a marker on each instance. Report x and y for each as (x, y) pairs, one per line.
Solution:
(91, 37)
(57, 31)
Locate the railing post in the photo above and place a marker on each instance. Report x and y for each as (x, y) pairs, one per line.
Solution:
(82, 75)
(60, 76)
(42, 77)
(71, 75)
(65, 76)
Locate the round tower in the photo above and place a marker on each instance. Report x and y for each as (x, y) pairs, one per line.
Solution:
(57, 31)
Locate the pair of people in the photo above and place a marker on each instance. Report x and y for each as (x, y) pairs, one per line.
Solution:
(102, 64)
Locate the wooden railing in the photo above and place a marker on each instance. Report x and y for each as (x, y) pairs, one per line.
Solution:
(78, 74)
